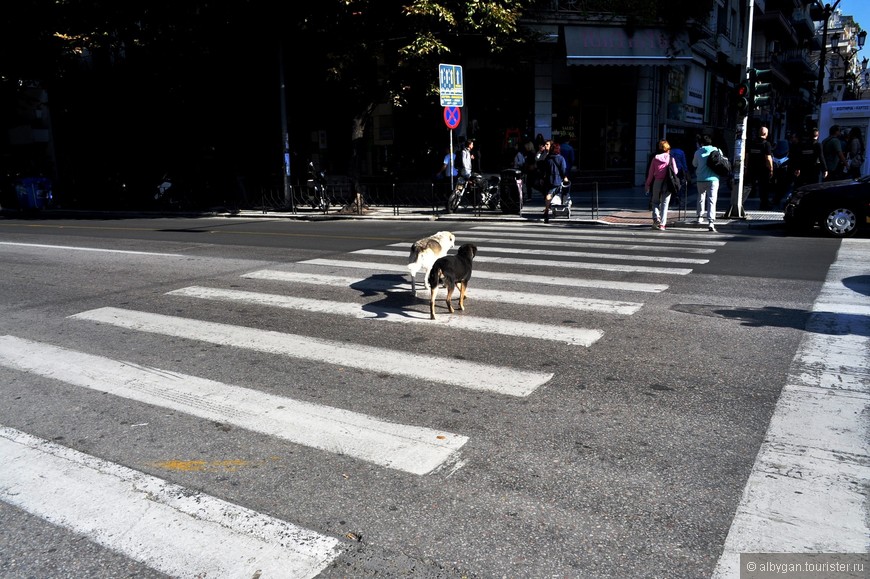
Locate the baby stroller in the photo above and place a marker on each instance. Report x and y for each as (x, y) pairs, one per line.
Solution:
(560, 204)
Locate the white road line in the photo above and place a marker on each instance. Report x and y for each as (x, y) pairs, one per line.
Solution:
(471, 375)
(498, 296)
(517, 277)
(508, 234)
(177, 531)
(594, 255)
(495, 241)
(548, 263)
(807, 491)
(407, 448)
(568, 335)
(97, 249)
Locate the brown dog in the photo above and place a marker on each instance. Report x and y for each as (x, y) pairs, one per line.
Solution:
(455, 270)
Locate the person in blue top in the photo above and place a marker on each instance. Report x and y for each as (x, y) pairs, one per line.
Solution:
(707, 182)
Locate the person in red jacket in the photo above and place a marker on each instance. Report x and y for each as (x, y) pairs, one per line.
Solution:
(656, 178)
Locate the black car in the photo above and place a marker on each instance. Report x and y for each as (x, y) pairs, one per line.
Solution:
(840, 208)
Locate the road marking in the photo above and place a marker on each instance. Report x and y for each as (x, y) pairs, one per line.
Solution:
(70, 247)
(568, 335)
(175, 530)
(406, 448)
(496, 241)
(453, 371)
(594, 255)
(507, 234)
(517, 277)
(548, 263)
(808, 487)
(498, 296)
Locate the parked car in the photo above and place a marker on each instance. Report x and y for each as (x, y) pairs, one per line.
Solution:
(840, 208)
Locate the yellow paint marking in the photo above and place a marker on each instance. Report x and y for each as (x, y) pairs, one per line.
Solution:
(202, 465)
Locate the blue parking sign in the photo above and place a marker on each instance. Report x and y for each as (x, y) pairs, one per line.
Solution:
(450, 82)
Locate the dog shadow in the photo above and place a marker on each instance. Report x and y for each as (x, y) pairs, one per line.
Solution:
(396, 295)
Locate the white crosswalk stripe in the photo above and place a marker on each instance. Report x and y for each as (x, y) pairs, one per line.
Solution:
(407, 448)
(502, 297)
(573, 336)
(177, 531)
(560, 242)
(614, 256)
(550, 263)
(484, 274)
(472, 375)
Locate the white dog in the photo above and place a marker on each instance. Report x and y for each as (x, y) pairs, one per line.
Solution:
(425, 252)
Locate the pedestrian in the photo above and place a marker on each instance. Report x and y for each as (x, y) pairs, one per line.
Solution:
(529, 169)
(835, 158)
(759, 167)
(445, 172)
(557, 176)
(683, 173)
(707, 182)
(541, 156)
(465, 157)
(519, 159)
(809, 161)
(657, 181)
(568, 153)
(855, 152)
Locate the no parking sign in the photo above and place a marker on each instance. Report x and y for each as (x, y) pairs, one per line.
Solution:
(452, 116)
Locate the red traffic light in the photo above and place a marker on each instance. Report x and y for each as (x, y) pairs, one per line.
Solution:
(743, 90)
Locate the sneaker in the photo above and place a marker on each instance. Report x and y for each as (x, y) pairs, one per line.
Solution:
(661, 227)
(657, 224)
(712, 228)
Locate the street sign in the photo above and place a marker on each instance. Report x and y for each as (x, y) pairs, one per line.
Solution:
(450, 81)
(452, 116)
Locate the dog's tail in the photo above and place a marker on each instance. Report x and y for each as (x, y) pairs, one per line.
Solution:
(434, 276)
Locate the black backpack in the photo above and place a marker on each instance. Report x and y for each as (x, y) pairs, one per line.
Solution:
(719, 163)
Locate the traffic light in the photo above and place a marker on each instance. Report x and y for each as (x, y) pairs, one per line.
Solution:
(759, 80)
(743, 96)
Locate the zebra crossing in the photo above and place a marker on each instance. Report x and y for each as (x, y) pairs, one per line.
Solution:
(382, 441)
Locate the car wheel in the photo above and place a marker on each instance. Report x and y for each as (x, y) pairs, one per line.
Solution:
(840, 222)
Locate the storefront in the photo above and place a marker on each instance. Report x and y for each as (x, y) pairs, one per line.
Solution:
(614, 92)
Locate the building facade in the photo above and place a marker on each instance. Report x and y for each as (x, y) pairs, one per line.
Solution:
(615, 92)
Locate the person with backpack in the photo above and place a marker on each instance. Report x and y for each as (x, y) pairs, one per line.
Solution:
(707, 182)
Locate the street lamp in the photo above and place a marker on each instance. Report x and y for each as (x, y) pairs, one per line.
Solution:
(862, 37)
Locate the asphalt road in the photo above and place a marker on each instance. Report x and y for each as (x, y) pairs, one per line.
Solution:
(597, 411)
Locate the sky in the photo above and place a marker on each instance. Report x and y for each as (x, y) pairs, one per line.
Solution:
(859, 10)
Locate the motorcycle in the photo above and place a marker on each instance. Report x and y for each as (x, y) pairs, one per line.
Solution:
(315, 188)
(475, 191)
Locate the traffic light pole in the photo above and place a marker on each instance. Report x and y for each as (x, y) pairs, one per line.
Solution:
(736, 210)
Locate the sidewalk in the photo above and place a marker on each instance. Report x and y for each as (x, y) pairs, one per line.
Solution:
(620, 207)
(627, 207)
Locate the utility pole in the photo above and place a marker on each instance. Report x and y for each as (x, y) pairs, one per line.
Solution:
(285, 133)
(736, 210)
